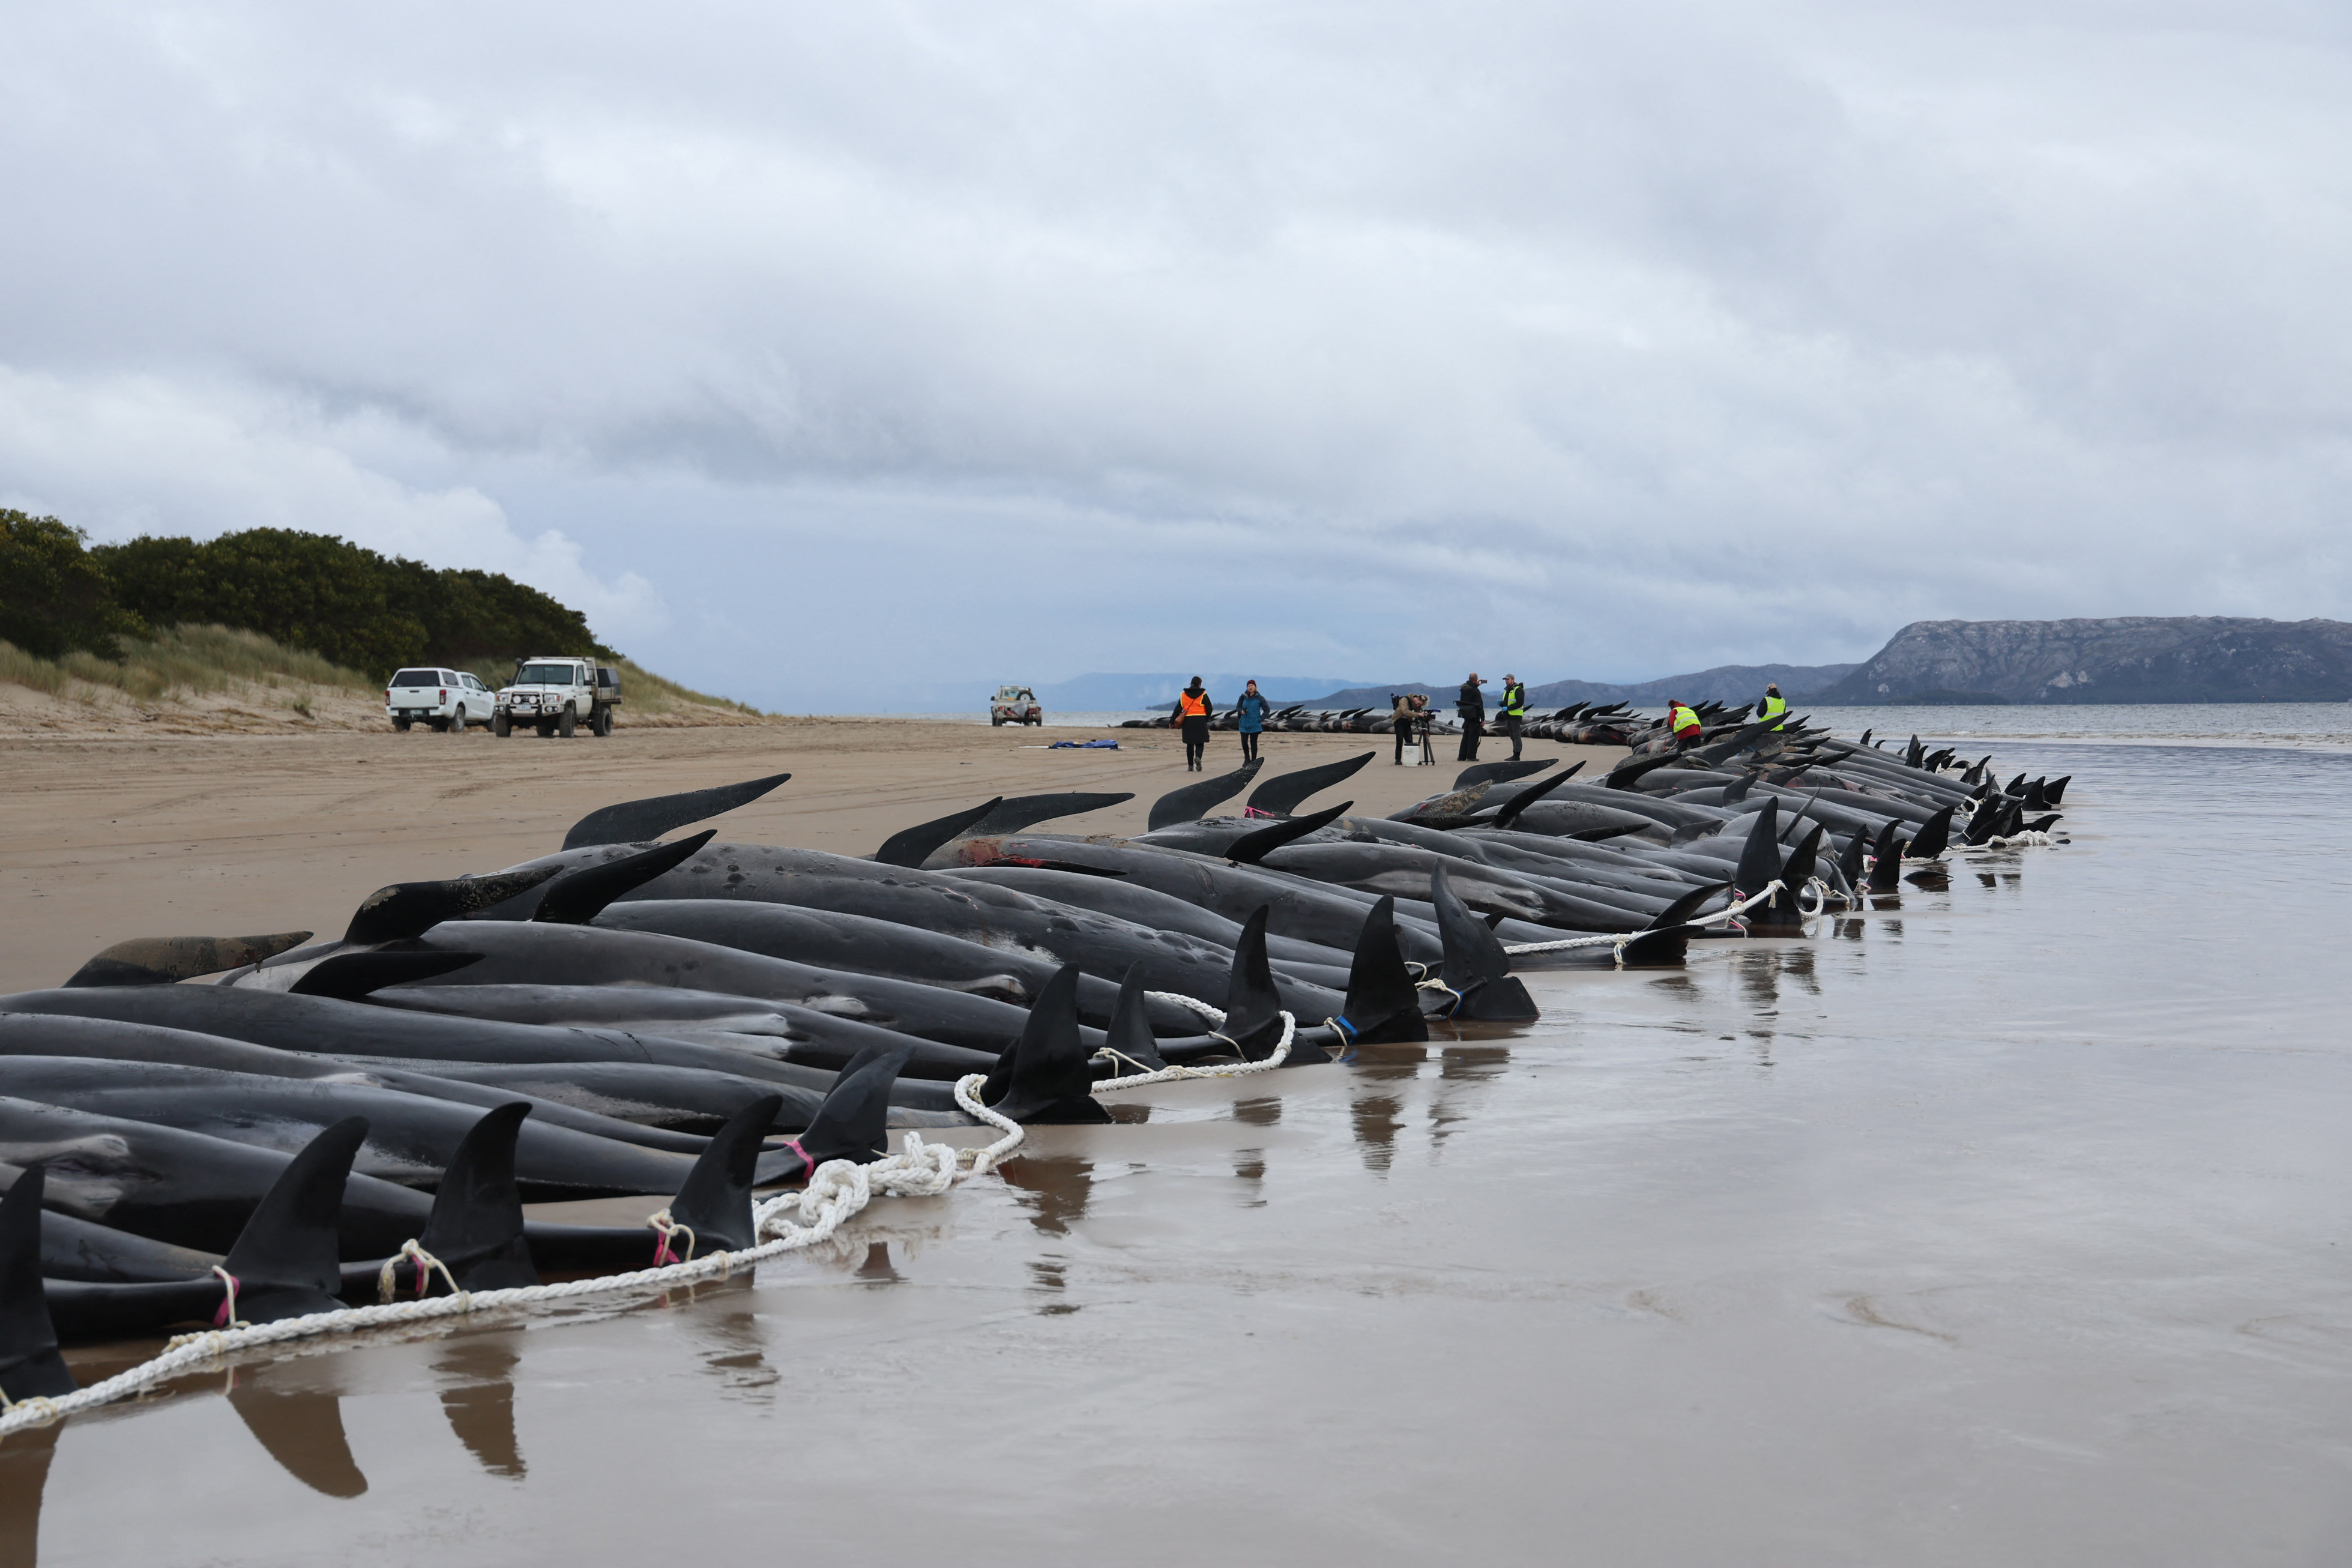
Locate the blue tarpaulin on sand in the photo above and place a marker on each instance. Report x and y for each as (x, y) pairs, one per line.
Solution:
(1084, 746)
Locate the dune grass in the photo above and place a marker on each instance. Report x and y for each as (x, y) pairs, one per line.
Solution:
(193, 660)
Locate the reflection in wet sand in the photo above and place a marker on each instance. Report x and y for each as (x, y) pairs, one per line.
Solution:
(24, 1470)
(1263, 1111)
(1377, 1118)
(878, 1269)
(738, 1347)
(1473, 1064)
(1053, 1191)
(1051, 1274)
(303, 1430)
(481, 1409)
(1930, 882)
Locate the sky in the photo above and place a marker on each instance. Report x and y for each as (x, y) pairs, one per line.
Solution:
(841, 357)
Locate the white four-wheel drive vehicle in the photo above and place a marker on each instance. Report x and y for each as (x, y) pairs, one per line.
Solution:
(554, 693)
(1015, 705)
(447, 699)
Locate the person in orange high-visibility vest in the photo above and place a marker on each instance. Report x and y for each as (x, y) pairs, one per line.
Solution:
(1682, 724)
(1194, 707)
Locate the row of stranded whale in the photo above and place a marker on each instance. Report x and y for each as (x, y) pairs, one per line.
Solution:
(197, 1130)
(1577, 724)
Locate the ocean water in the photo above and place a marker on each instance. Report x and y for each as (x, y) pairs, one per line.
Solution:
(2008, 1220)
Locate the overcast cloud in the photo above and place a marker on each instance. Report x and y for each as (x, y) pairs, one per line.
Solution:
(826, 354)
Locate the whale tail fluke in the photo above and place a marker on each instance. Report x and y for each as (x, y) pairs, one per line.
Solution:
(1534, 793)
(581, 897)
(285, 1259)
(642, 821)
(1050, 1083)
(476, 1226)
(912, 847)
(1281, 796)
(714, 1202)
(349, 976)
(30, 1365)
(1254, 847)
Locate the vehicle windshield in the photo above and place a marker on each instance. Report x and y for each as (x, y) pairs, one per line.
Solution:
(544, 675)
(417, 678)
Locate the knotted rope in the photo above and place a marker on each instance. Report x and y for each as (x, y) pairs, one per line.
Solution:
(1619, 940)
(1216, 1016)
(837, 1191)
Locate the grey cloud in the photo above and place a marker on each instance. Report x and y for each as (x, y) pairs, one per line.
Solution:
(1649, 338)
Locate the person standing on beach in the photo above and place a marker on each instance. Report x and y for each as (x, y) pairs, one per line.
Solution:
(1250, 715)
(1774, 707)
(1471, 703)
(1515, 709)
(1192, 709)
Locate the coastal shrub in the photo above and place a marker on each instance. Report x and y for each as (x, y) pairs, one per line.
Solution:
(341, 601)
(54, 595)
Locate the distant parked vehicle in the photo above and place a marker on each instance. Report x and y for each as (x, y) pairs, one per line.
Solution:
(447, 699)
(554, 693)
(1015, 705)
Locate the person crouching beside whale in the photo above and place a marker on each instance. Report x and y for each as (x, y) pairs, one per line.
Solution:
(1682, 724)
(1192, 711)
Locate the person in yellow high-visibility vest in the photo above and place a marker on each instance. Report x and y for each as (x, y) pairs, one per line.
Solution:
(1194, 707)
(1772, 708)
(1515, 710)
(1682, 724)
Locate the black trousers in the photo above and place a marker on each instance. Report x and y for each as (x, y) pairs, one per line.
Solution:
(1249, 745)
(1472, 726)
(1403, 739)
(1511, 728)
(1196, 740)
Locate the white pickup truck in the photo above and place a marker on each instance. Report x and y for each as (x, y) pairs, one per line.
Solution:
(446, 699)
(553, 693)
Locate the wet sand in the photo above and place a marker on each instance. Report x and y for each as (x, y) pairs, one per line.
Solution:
(106, 838)
(2005, 1221)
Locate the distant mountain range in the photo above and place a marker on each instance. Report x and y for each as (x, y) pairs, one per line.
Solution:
(2128, 658)
(1724, 683)
(1123, 693)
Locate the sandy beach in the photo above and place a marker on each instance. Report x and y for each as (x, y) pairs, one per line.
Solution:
(110, 837)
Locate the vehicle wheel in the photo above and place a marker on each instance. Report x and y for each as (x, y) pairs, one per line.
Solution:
(545, 727)
(499, 726)
(400, 723)
(458, 721)
(993, 721)
(566, 725)
(602, 722)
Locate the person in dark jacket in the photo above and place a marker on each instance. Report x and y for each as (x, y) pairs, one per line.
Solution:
(1193, 706)
(1472, 705)
(1249, 716)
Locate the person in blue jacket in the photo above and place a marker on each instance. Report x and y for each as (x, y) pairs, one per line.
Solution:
(1251, 712)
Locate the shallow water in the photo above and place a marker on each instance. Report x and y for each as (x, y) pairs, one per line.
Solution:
(2009, 1221)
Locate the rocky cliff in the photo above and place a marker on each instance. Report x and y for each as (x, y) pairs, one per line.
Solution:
(2128, 659)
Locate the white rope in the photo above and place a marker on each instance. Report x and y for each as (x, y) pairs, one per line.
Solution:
(2015, 840)
(837, 1191)
(1280, 1053)
(1619, 940)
